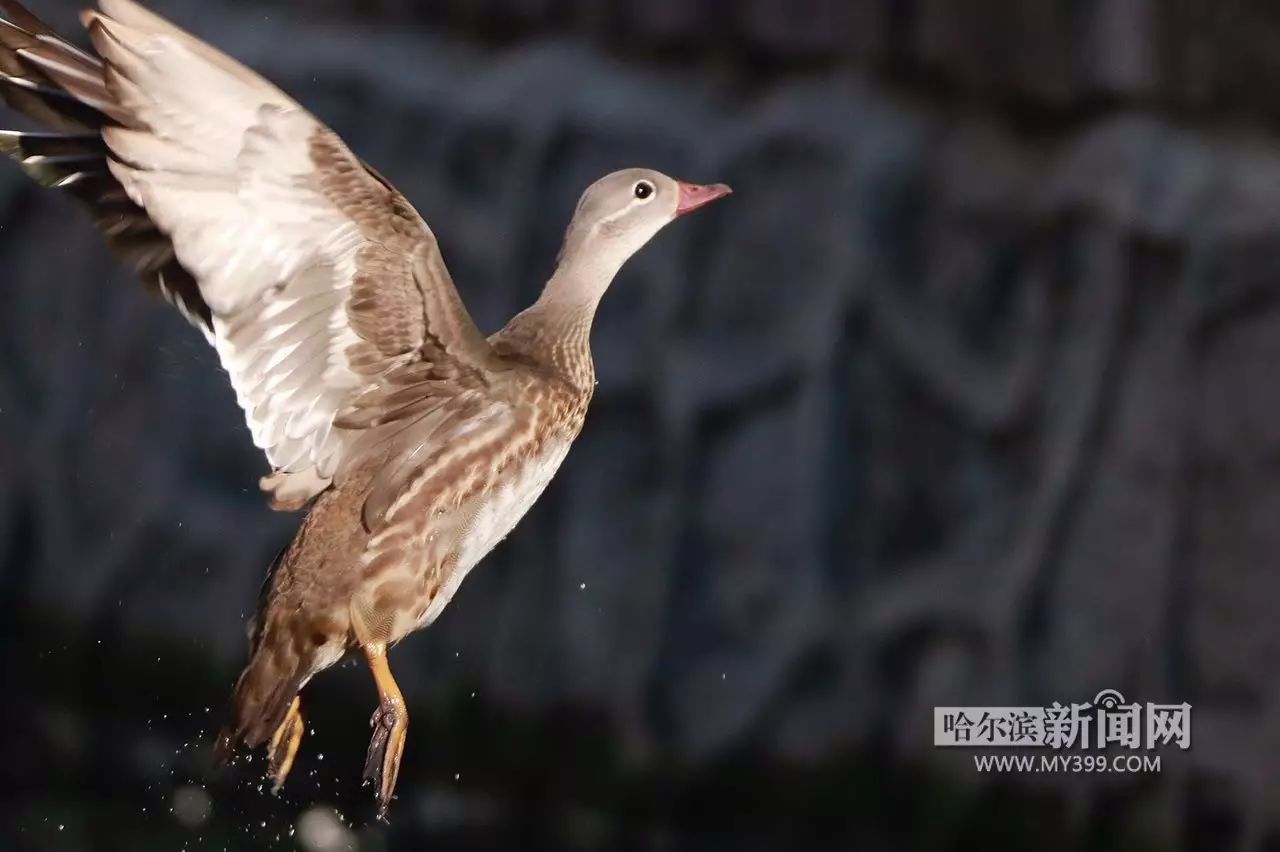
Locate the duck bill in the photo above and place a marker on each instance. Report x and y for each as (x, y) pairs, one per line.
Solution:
(693, 196)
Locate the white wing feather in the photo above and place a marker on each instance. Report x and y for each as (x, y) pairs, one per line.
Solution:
(222, 163)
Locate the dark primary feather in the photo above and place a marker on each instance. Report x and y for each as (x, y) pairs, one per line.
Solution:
(60, 86)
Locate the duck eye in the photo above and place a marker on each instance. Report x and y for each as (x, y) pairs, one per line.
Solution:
(644, 189)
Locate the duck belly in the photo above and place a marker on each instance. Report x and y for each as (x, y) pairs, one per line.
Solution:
(493, 518)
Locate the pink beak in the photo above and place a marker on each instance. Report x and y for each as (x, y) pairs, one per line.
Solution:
(693, 195)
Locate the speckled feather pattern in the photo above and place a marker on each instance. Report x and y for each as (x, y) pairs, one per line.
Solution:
(345, 582)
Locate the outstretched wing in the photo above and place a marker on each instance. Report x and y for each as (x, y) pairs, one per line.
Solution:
(324, 291)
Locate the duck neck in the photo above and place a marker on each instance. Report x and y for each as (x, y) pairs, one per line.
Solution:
(555, 331)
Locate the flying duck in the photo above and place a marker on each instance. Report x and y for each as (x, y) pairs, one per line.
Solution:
(415, 442)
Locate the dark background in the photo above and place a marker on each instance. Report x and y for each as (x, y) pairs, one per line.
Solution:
(967, 396)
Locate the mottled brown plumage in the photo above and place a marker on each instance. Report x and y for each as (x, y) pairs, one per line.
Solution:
(417, 442)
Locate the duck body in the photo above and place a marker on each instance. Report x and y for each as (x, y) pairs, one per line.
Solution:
(414, 442)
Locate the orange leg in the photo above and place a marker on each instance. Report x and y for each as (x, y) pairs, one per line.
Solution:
(284, 745)
(390, 723)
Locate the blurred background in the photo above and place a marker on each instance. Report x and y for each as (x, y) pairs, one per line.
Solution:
(966, 396)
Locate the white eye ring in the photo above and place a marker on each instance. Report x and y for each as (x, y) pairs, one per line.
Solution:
(643, 190)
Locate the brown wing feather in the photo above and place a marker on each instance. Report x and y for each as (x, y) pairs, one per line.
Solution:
(403, 299)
